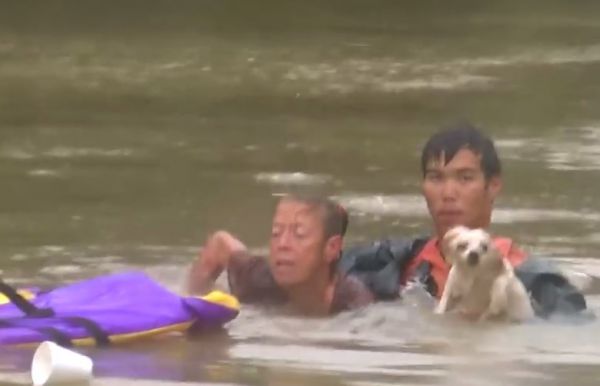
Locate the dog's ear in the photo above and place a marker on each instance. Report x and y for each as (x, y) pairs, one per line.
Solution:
(493, 256)
(446, 242)
(485, 237)
(447, 251)
(453, 232)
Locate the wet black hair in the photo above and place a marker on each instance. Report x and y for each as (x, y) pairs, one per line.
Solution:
(334, 215)
(448, 141)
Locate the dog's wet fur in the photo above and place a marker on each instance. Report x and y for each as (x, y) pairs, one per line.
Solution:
(481, 284)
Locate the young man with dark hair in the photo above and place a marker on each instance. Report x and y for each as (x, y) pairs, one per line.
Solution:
(300, 272)
(461, 180)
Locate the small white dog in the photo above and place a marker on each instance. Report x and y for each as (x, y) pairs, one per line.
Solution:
(481, 283)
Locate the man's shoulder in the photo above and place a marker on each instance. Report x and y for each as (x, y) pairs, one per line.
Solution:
(379, 253)
(350, 293)
(379, 264)
(510, 250)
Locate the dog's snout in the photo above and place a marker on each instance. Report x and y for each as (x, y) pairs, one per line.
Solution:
(473, 258)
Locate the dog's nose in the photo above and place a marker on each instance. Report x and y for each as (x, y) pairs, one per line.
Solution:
(473, 258)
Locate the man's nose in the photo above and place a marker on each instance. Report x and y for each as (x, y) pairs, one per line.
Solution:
(284, 240)
(449, 189)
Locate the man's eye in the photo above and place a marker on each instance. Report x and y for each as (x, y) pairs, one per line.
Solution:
(300, 232)
(434, 177)
(466, 177)
(461, 247)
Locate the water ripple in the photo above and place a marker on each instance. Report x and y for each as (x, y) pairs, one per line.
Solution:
(574, 148)
(292, 178)
(17, 153)
(414, 206)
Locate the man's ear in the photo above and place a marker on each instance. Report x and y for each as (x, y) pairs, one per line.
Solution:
(333, 248)
(494, 186)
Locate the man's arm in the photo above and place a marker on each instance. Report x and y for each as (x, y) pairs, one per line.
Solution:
(379, 265)
(551, 291)
(212, 260)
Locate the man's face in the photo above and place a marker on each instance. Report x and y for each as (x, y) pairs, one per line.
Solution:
(457, 193)
(297, 247)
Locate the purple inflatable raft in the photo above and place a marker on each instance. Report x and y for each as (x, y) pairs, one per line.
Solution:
(108, 309)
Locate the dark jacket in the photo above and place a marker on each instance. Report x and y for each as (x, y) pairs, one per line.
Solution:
(380, 265)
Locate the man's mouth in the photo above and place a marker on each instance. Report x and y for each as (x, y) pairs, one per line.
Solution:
(449, 213)
(284, 263)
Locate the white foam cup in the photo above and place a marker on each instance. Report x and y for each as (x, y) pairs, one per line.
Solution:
(53, 364)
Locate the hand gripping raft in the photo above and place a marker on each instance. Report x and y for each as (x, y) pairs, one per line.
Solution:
(107, 309)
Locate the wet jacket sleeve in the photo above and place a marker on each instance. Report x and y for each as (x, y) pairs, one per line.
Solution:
(551, 292)
(379, 265)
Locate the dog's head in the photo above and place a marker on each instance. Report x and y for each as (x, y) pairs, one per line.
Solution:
(469, 248)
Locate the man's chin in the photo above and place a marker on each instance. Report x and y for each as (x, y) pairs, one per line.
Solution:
(447, 225)
(286, 281)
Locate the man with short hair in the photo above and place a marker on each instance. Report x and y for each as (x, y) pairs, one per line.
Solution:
(461, 180)
(300, 272)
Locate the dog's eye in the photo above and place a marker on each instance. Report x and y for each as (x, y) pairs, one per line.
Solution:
(484, 248)
(461, 247)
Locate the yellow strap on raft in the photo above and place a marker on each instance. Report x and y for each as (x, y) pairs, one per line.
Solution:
(217, 297)
(23, 292)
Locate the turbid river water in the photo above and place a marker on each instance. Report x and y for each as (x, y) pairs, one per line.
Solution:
(129, 131)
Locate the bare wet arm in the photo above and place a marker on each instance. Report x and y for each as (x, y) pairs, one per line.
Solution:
(212, 260)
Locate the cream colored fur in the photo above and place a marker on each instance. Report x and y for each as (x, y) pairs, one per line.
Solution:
(481, 283)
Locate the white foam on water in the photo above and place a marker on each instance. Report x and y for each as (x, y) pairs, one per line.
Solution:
(393, 76)
(52, 248)
(44, 173)
(18, 153)
(100, 260)
(511, 143)
(380, 204)
(338, 360)
(19, 257)
(511, 215)
(587, 265)
(414, 206)
(437, 82)
(63, 269)
(396, 339)
(70, 152)
(573, 148)
(381, 75)
(15, 153)
(558, 56)
(292, 178)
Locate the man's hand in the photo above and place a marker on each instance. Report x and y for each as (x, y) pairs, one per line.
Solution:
(212, 260)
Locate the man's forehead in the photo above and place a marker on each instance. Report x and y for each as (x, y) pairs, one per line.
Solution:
(296, 210)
